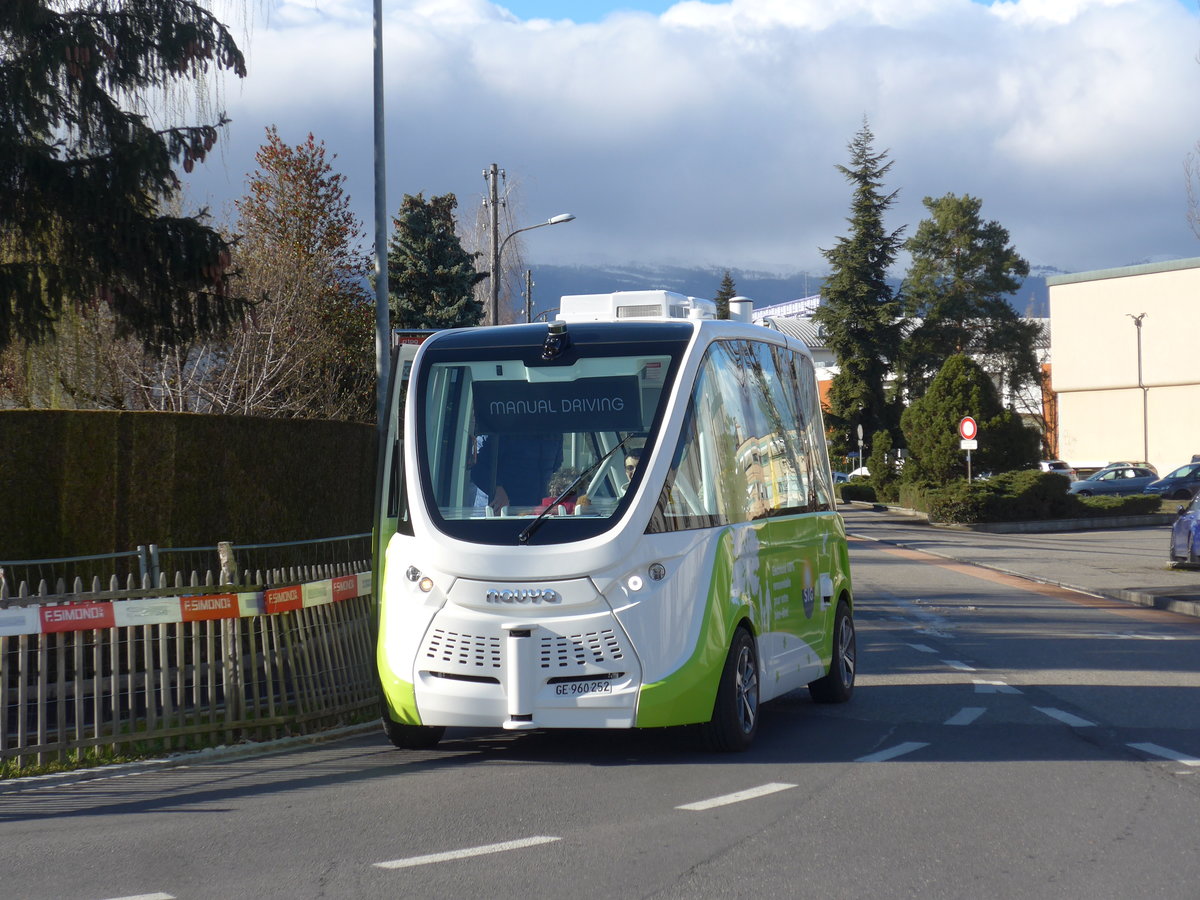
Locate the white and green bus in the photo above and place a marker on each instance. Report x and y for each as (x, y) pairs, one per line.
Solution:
(622, 519)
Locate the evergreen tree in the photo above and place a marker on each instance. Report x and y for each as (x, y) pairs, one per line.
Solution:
(930, 423)
(83, 180)
(725, 293)
(859, 313)
(961, 270)
(430, 276)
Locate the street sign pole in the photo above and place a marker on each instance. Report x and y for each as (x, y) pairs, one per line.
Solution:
(968, 430)
(860, 447)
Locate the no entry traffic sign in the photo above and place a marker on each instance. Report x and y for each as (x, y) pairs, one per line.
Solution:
(967, 429)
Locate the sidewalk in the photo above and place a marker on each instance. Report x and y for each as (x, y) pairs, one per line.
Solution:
(1125, 562)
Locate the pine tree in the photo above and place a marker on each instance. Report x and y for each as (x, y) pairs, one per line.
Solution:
(430, 276)
(725, 293)
(83, 180)
(961, 270)
(859, 313)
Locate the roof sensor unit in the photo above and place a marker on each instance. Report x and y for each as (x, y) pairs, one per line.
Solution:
(557, 340)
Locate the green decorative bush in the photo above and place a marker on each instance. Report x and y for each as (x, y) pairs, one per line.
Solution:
(1023, 496)
(858, 490)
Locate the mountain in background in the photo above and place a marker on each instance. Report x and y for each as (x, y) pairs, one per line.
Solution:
(764, 288)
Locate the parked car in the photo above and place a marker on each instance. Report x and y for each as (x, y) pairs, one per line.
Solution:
(1181, 484)
(840, 477)
(1123, 480)
(860, 472)
(1057, 465)
(1185, 534)
(1141, 464)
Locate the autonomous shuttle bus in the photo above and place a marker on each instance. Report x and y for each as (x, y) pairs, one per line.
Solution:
(622, 519)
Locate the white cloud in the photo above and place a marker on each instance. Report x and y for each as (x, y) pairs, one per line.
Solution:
(710, 134)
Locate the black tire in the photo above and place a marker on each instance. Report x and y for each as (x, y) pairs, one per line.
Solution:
(734, 720)
(1083, 493)
(838, 685)
(410, 737)
(1181, 495)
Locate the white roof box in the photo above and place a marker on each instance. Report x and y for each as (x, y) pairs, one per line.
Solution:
(633, 305)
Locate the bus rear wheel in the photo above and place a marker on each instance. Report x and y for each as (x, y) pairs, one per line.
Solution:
(410, 737)
(838, 685)
(734, 721)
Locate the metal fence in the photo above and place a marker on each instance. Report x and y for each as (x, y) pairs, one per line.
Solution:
(151, 567)
(134, 689)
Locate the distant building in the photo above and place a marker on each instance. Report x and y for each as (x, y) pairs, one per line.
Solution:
(1111, 406)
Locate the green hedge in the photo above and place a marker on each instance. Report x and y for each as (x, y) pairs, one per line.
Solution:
(1023, 496)
(78, 482)
(857, 490)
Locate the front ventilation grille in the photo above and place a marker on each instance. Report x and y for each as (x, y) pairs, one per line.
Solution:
(469, 650)
(573, 650)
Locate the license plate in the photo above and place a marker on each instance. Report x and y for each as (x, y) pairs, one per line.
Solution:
(580, 688)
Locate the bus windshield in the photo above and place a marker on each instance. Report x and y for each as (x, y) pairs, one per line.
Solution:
(502, 438)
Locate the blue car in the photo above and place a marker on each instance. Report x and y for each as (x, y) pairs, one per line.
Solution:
(1182, 484)
(1185, 535)
(1127, 480)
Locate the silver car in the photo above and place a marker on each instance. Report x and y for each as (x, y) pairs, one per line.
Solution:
(1124, 480)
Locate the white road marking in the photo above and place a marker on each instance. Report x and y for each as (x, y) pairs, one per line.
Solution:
(762, 791)
(892, 752)
(465, 853)
(1174, 756)
(956, 664)
(146, 897)
(922, 648)
(966, 715)
(994, 687)
(1065, 717)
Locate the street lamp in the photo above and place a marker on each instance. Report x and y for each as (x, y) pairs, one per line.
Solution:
(1137, 321)
(498, 251)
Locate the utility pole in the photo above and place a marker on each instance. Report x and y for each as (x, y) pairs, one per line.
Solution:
(1137, 321)
(383, 326)
(493, 175)
(529, 295)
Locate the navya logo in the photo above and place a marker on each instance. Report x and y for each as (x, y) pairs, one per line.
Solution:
(523, 595)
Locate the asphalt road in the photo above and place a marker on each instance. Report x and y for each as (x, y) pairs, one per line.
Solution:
(1007, 739)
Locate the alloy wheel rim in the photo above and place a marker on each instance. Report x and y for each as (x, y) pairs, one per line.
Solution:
(746, 690)
(846, 642)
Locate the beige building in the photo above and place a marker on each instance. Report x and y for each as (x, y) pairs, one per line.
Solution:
(1110, 405)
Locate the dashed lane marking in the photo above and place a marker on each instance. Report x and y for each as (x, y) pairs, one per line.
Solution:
(1166, 753)
(146, 897)
(922, 648)
(994, 687)
(966, 715)
(762, 791)
(893, 752)
(465, 853)
(957, 664)
(1065, 717)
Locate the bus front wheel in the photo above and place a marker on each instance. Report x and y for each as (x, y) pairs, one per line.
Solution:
(410, 737)
(734, 721)
(838, 685)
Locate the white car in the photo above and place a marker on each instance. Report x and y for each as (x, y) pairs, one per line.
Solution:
(1057, 465)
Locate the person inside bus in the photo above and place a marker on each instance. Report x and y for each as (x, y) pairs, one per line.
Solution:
(633, 457)
(515, 469)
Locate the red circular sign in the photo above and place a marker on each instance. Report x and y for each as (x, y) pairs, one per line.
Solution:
(967, 429)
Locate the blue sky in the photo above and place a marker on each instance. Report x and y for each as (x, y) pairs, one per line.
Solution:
(709, 133)
(581, 10)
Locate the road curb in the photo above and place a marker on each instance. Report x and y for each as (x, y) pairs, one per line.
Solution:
(181, 760)
(1137, 598)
